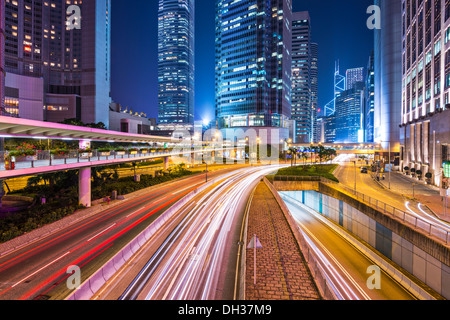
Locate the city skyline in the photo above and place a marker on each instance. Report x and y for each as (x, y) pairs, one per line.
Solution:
(141, 95)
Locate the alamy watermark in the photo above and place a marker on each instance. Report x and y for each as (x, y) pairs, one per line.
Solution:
(73, 17)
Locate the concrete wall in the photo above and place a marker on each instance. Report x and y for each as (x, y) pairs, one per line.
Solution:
(427, 262)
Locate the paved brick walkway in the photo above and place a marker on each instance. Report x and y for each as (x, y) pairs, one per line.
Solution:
(281, 269)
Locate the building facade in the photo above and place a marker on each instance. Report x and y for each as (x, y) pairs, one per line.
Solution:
(348, 128)
(369, 101)
(425, 108)
(302, 109)
(253, 65)
(67, 44)
(315, 89)
(176, 62)
(304, 78)
(353, 76)
(2, 57)
(388, 75)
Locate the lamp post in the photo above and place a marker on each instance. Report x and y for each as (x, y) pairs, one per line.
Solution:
(354, 162)
(390, 163)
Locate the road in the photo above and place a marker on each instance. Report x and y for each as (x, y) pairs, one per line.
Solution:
(345, 266)
(38, 270)
(198, 253)
(346, 174)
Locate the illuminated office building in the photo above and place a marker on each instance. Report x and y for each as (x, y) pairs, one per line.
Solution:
(353, 76)
(425, 107)
(369, 101)
(348, 115)
(253, 64)
(176, 65)
(68, 49)
(388, 75)
(314, 73)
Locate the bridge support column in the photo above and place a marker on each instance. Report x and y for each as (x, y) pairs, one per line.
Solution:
(84, 187)
(193, 159)
(166, 163)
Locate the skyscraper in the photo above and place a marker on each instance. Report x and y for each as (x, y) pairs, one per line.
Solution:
(348, 115)
(424, 111)
(176, 62)
(353, 76)
(253, 64)
(65, 48)
(369, 101)
(302, 96)
(339, 87)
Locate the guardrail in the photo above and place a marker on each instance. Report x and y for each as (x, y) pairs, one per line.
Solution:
(407, 218)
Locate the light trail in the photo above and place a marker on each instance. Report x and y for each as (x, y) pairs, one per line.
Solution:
(426, 217)
(339, 283)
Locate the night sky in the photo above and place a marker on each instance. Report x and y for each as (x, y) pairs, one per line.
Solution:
(339, 27)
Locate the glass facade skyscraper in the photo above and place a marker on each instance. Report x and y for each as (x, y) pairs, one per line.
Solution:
(176, 64)
(424, 111)
(74, 63)
(253, 63)
(369, 103)
(315, 90)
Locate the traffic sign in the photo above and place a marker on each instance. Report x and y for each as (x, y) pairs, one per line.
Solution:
(252, 245)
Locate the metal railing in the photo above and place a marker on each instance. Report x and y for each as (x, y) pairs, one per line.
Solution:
(48, 158)
(406, 218)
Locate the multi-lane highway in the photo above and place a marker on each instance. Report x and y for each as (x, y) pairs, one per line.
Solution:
(39, 269)
(197, 256)
(347, 173)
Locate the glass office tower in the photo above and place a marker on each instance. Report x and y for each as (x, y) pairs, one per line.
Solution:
(302, 111)
(253, 64)
(176, 64)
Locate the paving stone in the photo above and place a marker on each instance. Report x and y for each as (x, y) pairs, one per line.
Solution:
(282, 273)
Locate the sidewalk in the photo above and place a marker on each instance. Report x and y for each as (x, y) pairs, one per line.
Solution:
(282, 273)
(421, 192)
